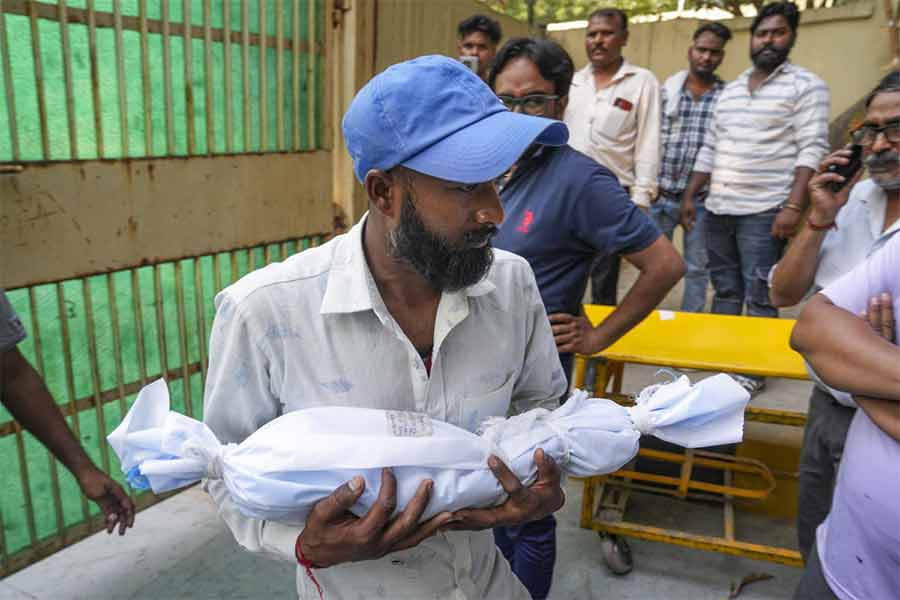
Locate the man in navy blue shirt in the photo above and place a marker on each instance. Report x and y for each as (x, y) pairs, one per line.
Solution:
(562, 209)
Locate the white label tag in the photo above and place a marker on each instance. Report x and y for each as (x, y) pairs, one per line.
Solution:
(409, 424)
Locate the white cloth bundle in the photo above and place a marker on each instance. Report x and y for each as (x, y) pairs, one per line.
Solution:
(289, 464)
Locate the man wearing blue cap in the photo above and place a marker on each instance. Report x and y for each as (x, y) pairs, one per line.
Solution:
(410, 310)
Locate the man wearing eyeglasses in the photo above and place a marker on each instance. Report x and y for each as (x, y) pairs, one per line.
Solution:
(613, 116)
(842, 229)
(563, 210)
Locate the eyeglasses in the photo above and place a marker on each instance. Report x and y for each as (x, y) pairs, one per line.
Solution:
(533, 104)
(867, 134)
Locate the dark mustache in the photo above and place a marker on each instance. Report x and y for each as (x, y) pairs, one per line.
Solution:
(478, 236)
(769, 47)
(882, 161)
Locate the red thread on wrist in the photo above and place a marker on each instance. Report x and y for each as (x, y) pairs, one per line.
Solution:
(825, 227)
(307, 564)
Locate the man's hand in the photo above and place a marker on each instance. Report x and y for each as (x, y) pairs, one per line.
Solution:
(880, 317)
(824, 202)
(543, 497)
(110, 497)
(688, 213)
(573, 334)
(786, 223)
(333, 535)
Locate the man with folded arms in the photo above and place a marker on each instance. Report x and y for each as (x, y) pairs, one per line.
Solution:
(410, 310)
(841, 230)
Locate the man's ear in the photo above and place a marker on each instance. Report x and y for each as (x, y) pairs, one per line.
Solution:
(380, 187)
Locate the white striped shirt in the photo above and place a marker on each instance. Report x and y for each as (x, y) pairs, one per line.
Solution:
(757, 139)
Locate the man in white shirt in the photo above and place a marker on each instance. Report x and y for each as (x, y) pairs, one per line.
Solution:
(614, 117)
(410, 310)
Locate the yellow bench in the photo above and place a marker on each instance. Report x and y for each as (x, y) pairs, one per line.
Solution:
(748, 345)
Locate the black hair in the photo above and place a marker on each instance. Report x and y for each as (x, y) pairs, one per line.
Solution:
(551, 60)
(485, 25)
(602, 13)
(890, 83)
(788, 10)
(716, 29)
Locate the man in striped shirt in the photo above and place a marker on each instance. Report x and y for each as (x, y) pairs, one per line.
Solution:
(768, 135)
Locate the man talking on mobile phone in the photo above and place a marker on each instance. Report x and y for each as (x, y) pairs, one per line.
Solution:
(841, 230)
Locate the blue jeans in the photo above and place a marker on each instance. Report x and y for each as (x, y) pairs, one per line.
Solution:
(530, 549)
(741, 253)
(666, 211)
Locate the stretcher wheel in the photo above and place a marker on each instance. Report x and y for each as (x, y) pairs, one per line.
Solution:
(616, 554)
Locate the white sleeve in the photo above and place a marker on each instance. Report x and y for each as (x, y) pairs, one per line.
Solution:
(541, 382)
(238, 400)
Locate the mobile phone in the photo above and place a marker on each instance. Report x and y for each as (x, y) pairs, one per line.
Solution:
(848, 170)
(471, 62)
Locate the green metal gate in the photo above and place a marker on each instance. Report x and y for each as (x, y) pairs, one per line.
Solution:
(151, 152)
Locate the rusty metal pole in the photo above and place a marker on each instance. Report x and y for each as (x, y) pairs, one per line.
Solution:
(893, 34)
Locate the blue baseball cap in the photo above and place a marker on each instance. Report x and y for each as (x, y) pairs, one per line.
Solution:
(435, 116)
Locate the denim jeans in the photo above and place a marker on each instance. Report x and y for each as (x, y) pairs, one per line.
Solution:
(741, 253)
(666, 211)
(530, 549)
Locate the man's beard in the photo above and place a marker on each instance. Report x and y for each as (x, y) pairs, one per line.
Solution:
(884, 168)
(445, 266)
(767, 61)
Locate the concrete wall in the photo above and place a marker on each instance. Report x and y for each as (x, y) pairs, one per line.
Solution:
(846, 46)
(410, 28)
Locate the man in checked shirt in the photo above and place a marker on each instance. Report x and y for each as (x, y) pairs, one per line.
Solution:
(688, 99)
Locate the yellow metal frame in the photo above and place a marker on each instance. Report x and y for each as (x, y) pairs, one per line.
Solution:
(604, 499)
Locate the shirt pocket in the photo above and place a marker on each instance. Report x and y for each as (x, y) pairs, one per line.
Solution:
(478, 406)
(607, 123)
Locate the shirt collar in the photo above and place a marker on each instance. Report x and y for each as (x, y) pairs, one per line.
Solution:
(351, 287)
(785, 67)
(586, 75)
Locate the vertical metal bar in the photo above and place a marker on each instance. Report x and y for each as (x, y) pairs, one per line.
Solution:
(145, 72)
(70, 378)
(245, 66)
(263, 79)
(279, 74)
(251, 259)
(207, 72)
(167, 81)
(26, 485)
(311, 85)
(138, 326)
(217, 274)
(10, 109)
(67, 75)
(284, 250)
(95, 372)
(199, 307)
(95, 78)
(182, 339)
(160, 322)
(120, 67)
(234, 267)
(39, 79)
(39, 364)
(188, 76)
(226, 28)
(295, 74)
(117, 341)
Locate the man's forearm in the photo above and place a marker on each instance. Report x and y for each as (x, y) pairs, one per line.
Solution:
(797, 268)
(799, 188)
(30, 403)
(884, 413)
(847, 354)
(696, 182)
(648, 291)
